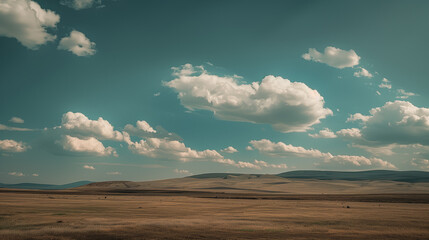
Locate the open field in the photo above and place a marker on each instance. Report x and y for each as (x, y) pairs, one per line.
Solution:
(94, 212)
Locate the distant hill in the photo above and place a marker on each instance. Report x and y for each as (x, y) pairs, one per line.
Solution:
(44, 186)
(373, 175)
(387, 175)
(223, 175)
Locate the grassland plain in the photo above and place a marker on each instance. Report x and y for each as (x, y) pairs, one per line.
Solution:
(186, 215)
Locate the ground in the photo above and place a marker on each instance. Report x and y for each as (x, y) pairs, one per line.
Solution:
(192, 215)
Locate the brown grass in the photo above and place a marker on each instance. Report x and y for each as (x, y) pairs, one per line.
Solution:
(79, 216)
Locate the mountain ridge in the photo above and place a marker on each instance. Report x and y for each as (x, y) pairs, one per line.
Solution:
(40, 186)
(370, 175)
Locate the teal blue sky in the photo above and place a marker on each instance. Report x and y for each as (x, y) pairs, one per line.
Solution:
(186, 69)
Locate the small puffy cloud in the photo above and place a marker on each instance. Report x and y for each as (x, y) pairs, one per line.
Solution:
(170, 149)
(8, 145)
(78, 44)
(89, 146)
(26, 21)
(142, 128)
(157, 94)
(363, 73)
(357, 161)
(385, 85)
(378, 93)
(78, 124)
(281, 149)
(113, 173)
(241, 164)
(333, 57)
(267, 165)
(35, 175)
(80, 4)
(89, 167)
(402, 94)
(287, 106)
(385, 80)
(238, 164)
(324, 133)
(16, 174)
(357, 117)
(349, 133)
(16, 120)
(181, 171)
(8, 128)
(229, 149)
(249, 148)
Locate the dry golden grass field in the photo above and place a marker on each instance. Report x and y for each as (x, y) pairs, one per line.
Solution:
(103, 211)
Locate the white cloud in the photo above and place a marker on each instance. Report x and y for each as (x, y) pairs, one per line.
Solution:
(349, 133)
(385, 80)
(267, 165)
(35, 175)
(377, 150)
(89, 167)
(249, 148)
(324, 133)
(287, 106)
(16, 120)
(113, 173)
(9, 145)
(420, 163)
(357, 117)
(157, 94)
(164, 148)
(80, 4)
(27, 22)
(363, 73)
(90, 146)
(333, 57)
(78, 44)
(16, 174)
(142, 128)
(181, 171)
(241, 164)
(170, 149)
(229, 149)
(385, 85)
(8, 128)
(397, 122)
(378, 93)
(404, 95)
(359, 161)
(281, 149)
(78, 124)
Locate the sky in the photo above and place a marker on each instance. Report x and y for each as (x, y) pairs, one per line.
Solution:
(105, 90)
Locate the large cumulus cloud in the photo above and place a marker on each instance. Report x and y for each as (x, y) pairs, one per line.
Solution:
(27, 22)
(398, 122)
(287, 106)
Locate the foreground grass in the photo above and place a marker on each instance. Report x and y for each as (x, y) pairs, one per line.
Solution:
(50, 216)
